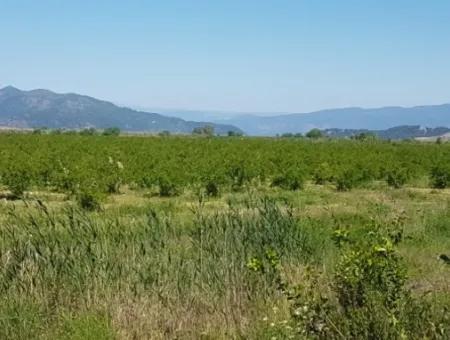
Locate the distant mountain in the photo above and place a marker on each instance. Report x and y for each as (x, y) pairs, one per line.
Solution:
(349, 118)
(398, 132)
(38, 108)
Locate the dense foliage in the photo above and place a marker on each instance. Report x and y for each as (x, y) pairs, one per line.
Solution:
(67, 163)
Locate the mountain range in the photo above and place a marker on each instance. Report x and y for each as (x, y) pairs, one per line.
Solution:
(346, 118)
(39, 108)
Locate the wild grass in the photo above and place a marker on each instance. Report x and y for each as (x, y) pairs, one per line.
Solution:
(197, 267)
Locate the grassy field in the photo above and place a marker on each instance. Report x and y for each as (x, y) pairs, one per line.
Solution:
(253, 261)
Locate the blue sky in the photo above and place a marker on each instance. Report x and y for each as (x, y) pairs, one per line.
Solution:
(243, 55)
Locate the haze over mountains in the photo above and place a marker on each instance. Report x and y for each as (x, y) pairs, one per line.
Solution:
(346, 118)
(39, 108)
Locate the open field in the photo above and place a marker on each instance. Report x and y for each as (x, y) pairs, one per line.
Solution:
(219, 238)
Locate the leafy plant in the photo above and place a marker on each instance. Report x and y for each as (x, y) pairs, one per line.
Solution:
(397, 177)
(289, 180)
(167, 188)
(18, 182)
(89, 200)
(440, 177)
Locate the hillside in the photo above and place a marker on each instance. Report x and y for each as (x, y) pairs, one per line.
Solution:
(347, 118)
(37, 108)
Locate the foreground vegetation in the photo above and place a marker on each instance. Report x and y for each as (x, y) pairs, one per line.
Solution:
(136, 238)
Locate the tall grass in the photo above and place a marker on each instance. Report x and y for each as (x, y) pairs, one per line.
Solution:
(72, 273)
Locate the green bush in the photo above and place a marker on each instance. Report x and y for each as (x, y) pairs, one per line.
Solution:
(440, 177)
(18, 182)
(89, 200)
(397, 177)
(112, 131)
(322, 174)
(167, 188)
(239, 177)
(347, 180)
(367, 298)
(290, 180)
(212, 188)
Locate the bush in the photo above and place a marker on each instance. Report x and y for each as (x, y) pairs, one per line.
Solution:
(89, 200)
(167, 188)
(322, 174)
(440, 177)
(290, 180)
(112, 131)
(397, 177)
(17, 181)
(314, 134)
(239, 176)
(374, 270)
(347, 180)
(212, 189)
(207, 130)
(88, 132)
(164, 133)
(371, 301)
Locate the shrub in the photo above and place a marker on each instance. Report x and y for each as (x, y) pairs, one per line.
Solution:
(112, 176)
(290, 180)
(211, 188)
(112, 131)
(88, 132)
(372, 300)
(207, 130)
(232, 133)
(89, 200)
(167, 188)
(322, 174)
(314, 134)
(17, 181)
(440, 177)
(164, 133)
(397, 177)
(239, 176)
(347, 180)
(374, 270)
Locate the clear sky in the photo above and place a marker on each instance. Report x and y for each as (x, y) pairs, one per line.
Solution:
(240, 55)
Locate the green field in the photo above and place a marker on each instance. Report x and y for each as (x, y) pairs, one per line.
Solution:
(223, 238)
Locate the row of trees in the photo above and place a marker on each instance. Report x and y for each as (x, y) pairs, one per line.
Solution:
(111, 131)
(72, 164)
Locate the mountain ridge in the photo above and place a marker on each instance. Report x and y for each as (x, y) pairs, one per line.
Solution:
(344, 118)
(41, 107)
